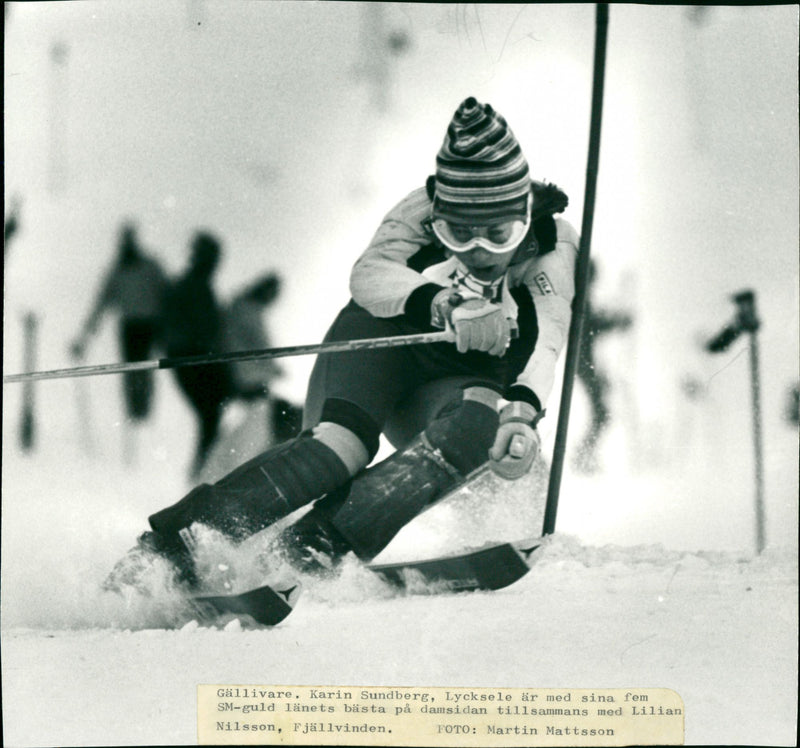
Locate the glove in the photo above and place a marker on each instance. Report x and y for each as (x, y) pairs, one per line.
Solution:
(443, 305)
(480, 325)
(517, 442)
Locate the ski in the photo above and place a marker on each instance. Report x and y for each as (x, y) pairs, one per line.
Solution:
(491, 567)
(266, 605)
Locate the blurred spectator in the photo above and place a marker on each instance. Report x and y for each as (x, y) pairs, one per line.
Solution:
(11, 224)
(245, 330)
(193, 325)
(134, 286)
(595, 322)
(792, 408)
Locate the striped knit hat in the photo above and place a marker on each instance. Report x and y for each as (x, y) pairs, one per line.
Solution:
(482, 178)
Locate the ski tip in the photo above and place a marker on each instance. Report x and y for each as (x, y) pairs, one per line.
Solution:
(527, 547)
(490, 567)
(289, 592)
(267, 605)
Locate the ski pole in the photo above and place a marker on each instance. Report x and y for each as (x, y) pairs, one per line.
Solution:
(335, 346)
(581, 271)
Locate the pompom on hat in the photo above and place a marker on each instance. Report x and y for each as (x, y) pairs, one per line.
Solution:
(482, 178)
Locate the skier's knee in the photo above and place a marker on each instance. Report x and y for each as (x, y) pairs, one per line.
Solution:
(465, 429)
(347, 446)
(387, 496)
(354, 419)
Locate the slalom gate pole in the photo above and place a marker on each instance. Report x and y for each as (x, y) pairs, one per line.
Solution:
(335, 346)
(581, 271)
(757, 444)
(746, 320)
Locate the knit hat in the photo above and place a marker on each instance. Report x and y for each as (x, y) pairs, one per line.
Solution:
(482, 178)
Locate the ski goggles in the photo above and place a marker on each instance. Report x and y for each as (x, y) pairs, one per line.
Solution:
(501, 237)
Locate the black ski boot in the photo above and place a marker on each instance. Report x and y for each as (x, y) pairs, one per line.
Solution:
(136, 569)
(312, 544)
(249, 499)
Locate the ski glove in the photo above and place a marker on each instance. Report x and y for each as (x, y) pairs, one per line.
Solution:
(480, 325)
(517, 442)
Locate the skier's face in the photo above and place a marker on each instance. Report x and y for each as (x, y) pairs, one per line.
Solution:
(484, 265)
(484, 251)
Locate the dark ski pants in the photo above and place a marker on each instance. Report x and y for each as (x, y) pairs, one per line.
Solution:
(369, 391)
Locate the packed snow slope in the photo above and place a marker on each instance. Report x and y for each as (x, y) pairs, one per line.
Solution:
(82, 667)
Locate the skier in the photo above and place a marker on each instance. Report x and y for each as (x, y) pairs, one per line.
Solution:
(193, 326)
(476, 251)
(135, 285)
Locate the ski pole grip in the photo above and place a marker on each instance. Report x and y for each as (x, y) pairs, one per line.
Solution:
(449, 334)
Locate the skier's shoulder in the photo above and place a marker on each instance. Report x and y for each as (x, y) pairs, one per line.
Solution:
(412, 209)
(404, 229)
(549, 272)
(565, 233)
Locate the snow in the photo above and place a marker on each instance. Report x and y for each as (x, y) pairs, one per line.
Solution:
(717, 627)
(611, 617)
(652, 578)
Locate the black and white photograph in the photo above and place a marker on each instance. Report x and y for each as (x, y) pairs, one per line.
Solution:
(387, 345)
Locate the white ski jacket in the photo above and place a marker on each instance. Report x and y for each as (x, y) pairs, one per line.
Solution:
(399, 273)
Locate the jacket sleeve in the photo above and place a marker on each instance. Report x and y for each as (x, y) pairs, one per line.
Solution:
(381, 280)
(551, 281)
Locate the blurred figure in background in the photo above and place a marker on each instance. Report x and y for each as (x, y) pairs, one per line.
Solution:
(596, 322)
(792, 408)
(193, 325)
(134, 286)
(245, 330)
(253, 419)
(11, 224)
